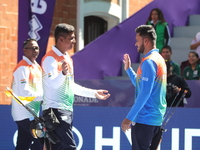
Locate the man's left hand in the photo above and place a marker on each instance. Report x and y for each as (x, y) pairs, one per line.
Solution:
(102, 94)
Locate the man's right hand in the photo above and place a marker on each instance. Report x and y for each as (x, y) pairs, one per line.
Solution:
(126, 124)
(127, 61)
(65, 67)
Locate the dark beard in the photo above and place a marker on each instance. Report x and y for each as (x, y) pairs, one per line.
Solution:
(141, 50)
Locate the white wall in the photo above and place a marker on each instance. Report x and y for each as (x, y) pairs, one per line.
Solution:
(112, 13)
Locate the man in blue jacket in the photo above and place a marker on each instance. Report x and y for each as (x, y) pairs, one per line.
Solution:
(146, 114)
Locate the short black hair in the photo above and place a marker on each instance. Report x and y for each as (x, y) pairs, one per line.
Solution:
(167, 47)
(147, 31)
(62, 29)
(28, 40)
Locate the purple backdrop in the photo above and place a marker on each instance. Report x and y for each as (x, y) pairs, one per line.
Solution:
(194, 100)
(103, 57)
(123, 93)
(35, 18)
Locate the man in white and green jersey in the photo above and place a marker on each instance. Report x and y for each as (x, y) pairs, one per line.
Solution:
(59, 87)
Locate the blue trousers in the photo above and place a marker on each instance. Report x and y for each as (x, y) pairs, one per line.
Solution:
(142, 136)
(25, 140)
(64, 131)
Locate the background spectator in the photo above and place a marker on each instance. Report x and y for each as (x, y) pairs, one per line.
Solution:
(166, 53)
(175, 84)
(157, 20)
(195, 44)
(192, 72)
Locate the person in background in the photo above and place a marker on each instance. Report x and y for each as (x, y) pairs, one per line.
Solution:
(59, 86)
(176, 84)
(146, 115)
(157, 20)
(192, 72)
(27, 82)
(195, 44)
(166, 53)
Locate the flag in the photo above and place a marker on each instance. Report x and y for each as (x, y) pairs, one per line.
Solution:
(34, 21)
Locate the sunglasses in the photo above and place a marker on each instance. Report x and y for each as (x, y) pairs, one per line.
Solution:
(32, 48)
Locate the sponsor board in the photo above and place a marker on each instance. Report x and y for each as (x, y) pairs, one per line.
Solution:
(98, 128)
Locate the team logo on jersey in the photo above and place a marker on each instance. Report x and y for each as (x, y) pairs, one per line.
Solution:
(23, 81)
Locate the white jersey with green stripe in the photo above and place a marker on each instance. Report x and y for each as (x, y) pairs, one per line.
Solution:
(59, 89)
(27, 82)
